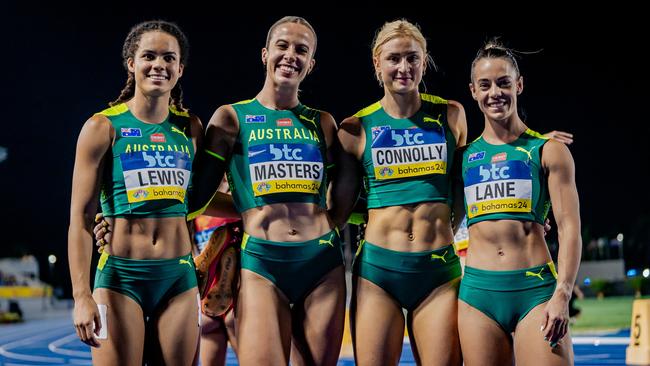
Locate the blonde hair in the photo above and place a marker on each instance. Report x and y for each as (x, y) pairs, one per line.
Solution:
(398, 29)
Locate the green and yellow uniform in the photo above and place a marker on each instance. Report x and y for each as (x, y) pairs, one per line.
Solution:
(280, 156)
(150, 169)
(506, 182)
(148, 175)
(407, 161)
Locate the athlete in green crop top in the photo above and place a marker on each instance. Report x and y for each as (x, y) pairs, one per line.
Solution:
(510, 282)
(506, 181)
(149, 173)
(139, 154)
(283, 156)
(276, 152)
(403, 146)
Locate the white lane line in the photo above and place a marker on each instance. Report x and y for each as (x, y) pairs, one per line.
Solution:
(596, 341)
(4, 349)
(76, 361)
(598, 356)
(13, 332)
(55, 347)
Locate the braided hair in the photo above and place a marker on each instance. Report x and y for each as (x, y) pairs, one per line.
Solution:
(131, 44)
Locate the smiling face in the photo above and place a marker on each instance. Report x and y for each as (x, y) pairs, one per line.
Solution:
(495, 86)
(156, 64)
(289, 54)
(400, 65)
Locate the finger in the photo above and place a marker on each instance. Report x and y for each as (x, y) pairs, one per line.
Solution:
(83, 334)
(544, 322)
(92, 341)
(100, 233)
(561, 331)
(561, 136)
(90, 337)
(101, 242)
(99, 217)
(565, 137)
(557, 330)
(98, 324)
(77, 329)
(550, 328)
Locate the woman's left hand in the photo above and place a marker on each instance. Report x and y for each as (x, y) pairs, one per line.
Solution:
(556, 319)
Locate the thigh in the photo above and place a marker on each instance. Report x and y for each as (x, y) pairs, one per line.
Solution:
(532, 349)
(433, 327)
(125, 330)
(263, 322)
(318, 322)
(482, 340)
(377, 323)
(214, 341)
(229, 322)
(178, 328)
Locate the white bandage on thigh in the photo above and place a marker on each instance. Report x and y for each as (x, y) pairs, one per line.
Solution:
(103, 332)
(198, 303)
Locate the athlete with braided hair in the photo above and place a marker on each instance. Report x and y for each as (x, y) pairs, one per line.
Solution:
(138, 154)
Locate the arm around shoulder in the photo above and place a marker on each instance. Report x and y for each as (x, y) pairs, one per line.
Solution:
(222, 131)
(352, 137)
(211, 159)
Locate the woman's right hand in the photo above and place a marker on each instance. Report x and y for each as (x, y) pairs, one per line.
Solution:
(86, 320)
(102, 232)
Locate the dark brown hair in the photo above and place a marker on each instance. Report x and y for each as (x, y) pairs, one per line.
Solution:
(131, 44)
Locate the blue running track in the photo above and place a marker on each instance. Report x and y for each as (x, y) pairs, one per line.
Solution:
(53, 342)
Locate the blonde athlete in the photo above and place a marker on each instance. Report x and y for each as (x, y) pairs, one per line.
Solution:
(404, 146)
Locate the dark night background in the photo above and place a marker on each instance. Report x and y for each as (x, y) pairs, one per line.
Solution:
(59, 69)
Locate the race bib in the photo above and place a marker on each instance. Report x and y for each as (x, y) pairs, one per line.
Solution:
(285, 168)
(409, 152)
(504, 186)
(154, 175)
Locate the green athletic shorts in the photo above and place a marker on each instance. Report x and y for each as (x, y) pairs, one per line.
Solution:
(149, 282)
(507, 296)
(409, 277)
(294, 267)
